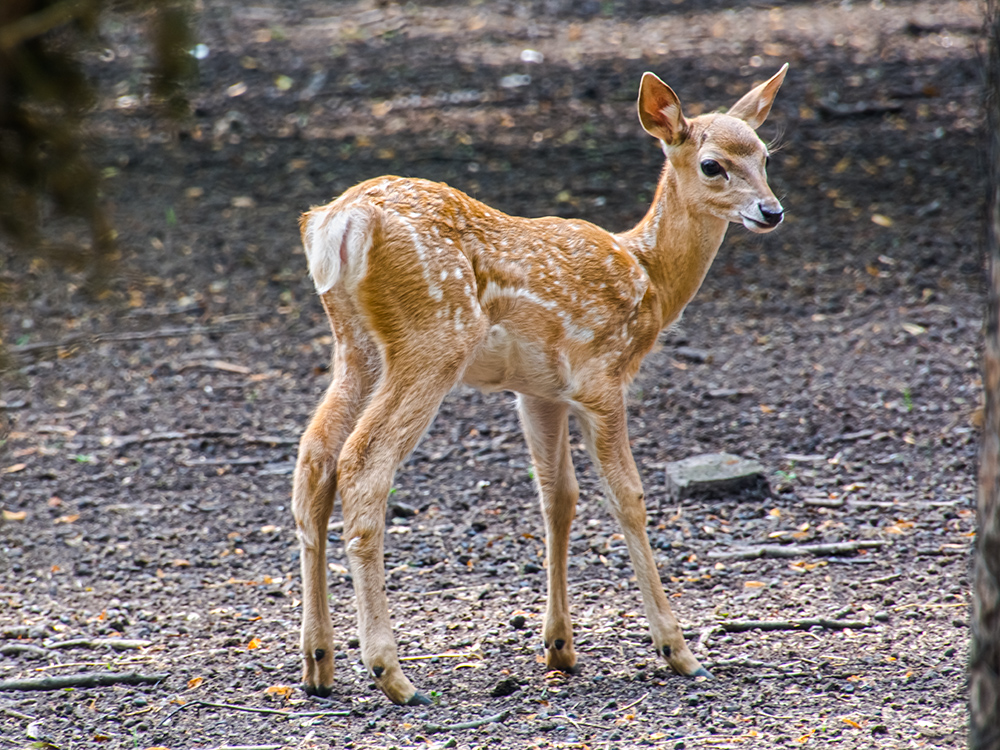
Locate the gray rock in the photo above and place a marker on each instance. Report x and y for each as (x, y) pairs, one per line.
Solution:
(712, 474)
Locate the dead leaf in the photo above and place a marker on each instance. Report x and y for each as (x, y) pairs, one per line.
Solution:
(882, 220)
(754, 584)
(15, 515)
(850, 722)
(13, 468)
(283, 691)
(195, 682)
(254, 643)
(71, 518)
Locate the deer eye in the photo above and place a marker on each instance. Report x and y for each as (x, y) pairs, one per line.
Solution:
(711, 168)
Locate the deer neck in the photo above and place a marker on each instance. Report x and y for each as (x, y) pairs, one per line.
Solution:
(676, 242)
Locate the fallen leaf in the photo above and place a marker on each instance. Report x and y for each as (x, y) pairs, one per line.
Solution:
(14, 515)
(882, 220)
(754, 584)
(71, 518)
(283, 690)
(13, 468)
(254, 643)
(195, 682)
(850, 722)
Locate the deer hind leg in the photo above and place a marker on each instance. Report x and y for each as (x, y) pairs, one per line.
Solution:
(606, 434)
(546, 430)
(314, 489)
(400, 411)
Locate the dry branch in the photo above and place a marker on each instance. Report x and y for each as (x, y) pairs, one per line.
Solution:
(164, 437)
(741, 626)
(86, 339)
(252, 710)
(798, 550)
(438, 728)
(118, 644)
(82, 680)
(23, 648)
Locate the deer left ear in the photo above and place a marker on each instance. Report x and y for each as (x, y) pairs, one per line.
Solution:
(754, 107)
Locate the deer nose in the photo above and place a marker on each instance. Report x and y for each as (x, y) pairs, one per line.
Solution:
(771, 217)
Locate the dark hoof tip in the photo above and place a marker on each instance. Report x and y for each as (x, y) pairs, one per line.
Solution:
(419, 699)
(320, 691)
(377, 671)
(701, 672)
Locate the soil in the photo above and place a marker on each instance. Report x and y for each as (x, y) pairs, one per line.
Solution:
(146, 478)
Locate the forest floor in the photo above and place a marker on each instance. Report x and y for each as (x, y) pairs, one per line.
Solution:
(146, 474)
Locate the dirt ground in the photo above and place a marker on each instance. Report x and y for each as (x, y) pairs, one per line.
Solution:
(147, 473)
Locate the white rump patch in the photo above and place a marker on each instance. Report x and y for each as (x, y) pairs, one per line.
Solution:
(337, 244)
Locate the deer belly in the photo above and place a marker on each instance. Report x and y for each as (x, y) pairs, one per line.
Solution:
(509, 360)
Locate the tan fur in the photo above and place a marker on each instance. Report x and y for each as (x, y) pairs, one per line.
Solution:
(426, 287)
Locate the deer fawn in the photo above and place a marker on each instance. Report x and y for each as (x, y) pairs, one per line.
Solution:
(425, 288)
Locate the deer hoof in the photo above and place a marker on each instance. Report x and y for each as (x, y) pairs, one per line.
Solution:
(419, 699)
(702, 672)
(320, 691)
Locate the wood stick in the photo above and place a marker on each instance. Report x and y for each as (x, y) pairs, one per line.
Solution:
(438, 728)
(799, 550)
(23, 648)
(118, 644)
(82, 680)
(163, 437)
(741, 626)
(633, 704)
(81, 339)
(252, 710)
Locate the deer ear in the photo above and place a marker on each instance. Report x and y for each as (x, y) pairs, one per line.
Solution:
(660, 111)
(754, 107)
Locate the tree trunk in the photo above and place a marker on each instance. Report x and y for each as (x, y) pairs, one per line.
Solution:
(984, 667)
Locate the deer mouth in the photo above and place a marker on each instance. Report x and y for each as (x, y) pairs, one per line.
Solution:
(756, 226)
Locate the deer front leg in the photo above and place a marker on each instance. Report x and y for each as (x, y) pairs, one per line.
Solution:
(606, 434)
(546, 431)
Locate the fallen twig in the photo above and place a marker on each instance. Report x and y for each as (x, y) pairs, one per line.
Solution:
(82, 680)
(17, 714)
(438, 728)
(799, 550)
(741, 626)
(252, 710)
(578, 723)
(91, 339)
(446, 655)
(163, 437)
(23, 648)
(884, 579)
(633, 704)
(214, 364)
(118, 644)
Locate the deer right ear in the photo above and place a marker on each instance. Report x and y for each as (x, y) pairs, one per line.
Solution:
(660, 111)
